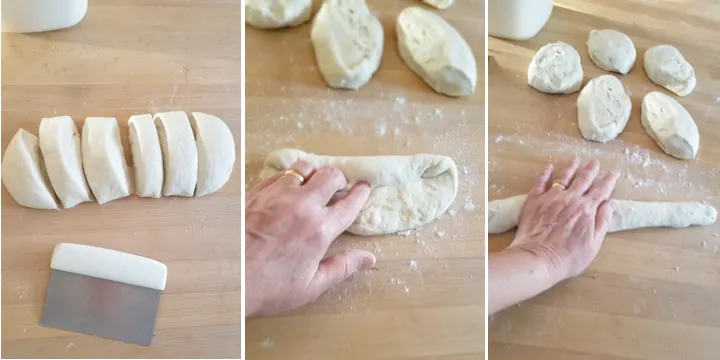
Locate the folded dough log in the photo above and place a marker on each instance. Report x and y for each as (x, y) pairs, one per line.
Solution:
(407, 191)
(504, 214)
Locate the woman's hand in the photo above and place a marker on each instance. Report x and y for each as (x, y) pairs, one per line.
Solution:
(289, 225)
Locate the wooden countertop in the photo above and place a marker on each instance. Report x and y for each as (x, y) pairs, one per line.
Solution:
(650, 294)
(425, 301)
(129, 57)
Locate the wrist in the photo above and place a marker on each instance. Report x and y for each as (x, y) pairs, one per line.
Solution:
(547, 263)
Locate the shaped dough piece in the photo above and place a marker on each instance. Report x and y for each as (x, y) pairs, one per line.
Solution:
(147, 157)
(504, 214)
(348, 42)
(434, 50)
(180, 156)
(275, 14)
(603, 109)
(24, 173)
(104, 159)
(407, 191)
(216, 152)
(60, 147)
(556, 69)
(611, 50)
(665, 66)
(440, 4)
(670, 125)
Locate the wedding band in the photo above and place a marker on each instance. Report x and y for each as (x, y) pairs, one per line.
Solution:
(296, 175)
(557, 184)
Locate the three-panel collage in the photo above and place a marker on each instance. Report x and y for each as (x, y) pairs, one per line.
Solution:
(360, 179)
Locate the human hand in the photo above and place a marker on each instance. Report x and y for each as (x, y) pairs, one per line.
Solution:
(565, 228)
(289, 226)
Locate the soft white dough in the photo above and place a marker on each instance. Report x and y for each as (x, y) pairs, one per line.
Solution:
(180, 156)
(504, 214)
(440, 4)
(103, 157)
(556, 69)
(60, 147)
(407, 191)
(147, 156)
(348, 43)
(274, 14)
(436, 52)
(670, 125)
(611, 50)
(665, 66)
(216, 152)
(603, 109)
(24, 173)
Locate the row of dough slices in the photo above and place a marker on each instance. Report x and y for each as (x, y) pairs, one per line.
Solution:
(173, 155)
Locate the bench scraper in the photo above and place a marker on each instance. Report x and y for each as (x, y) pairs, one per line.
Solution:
(104, 293)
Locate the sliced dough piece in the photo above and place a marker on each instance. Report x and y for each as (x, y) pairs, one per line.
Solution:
(603, 109)
(556, 69)
(216, 152)
(147, 157)
(180, 156)
(60, 147)
(348, 42)
(275, 14)
(407, 191)
(440, 4)
(434, 50)
(665, 66)
(104, 159)
(611, 50)
(24, 173)
(670, 125)
(504, 214)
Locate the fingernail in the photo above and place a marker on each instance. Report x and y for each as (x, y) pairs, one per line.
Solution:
(368, 262)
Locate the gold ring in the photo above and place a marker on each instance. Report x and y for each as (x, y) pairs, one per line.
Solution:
(557, 184)
(296, 175)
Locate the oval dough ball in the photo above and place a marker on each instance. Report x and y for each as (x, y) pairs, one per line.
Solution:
(434, 50)
(104, 159)
(60, 147)
(556, 69)
(216, 152)
(146, 154)
(603, 109)
(275, 14)
(665, 66)
(348, 43)
(611, 50)
(670, 125)
(440, 4)
(180, 157)
(24, 173)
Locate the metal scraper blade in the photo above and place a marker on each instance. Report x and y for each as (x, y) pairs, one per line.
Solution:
(99, 307)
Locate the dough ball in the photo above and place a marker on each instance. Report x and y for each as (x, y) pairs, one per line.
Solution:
(603, 109)
(434, 50)
(275, 14)
(348, 42)
(440, 4)
(665, 66)
(611, 50)
(556, 69)
(670, 125)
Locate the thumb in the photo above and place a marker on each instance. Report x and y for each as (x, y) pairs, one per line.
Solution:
(337, 268)
(603, 218)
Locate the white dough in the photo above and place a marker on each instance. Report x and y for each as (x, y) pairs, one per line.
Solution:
(611, 50)
(504, 214)
(24, 173)
(665, 66)
(274, 14)
(180, 156)
(603, 109)
(147, 156)
(440, 4)
(434, 50)
(104, 159)
(670, 125)
(407, 191)
(216, 152)
(109, 265)
(348, 43)
(556, 69)
(60, 147)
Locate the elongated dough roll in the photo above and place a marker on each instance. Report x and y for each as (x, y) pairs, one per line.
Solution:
(180, 157)
(147, 157)
(104, 159)
(24, 173)
(216, 152)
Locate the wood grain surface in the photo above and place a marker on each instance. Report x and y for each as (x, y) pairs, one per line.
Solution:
(129, 57)
(650, 294)
(425, 300)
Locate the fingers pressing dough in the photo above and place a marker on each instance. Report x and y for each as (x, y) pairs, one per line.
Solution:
(275, 14)
(24, 173)
(180, 156)
(104, 159)
(147, 156)
(216, 152)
